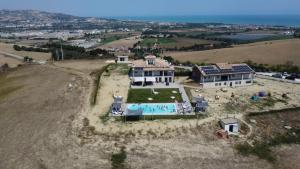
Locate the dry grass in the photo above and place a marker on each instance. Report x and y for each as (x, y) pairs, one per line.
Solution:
(122, 43)
(11, 62)
(35, 55)
(85, 66)
(273, 53)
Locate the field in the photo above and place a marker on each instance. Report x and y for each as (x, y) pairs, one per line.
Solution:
(84, 66)
(175, 42)
(271, 52)
(50, 120)
(121, 43)
(8, 48)
(10, 61)
(163, 96)
(37, 110)
(272, 141)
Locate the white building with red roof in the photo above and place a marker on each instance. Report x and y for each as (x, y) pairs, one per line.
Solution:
(151, 70)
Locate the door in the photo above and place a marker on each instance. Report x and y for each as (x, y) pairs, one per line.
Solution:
(230, 84)
(231, 128)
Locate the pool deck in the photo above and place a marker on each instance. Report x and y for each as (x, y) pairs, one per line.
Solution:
(185, 105)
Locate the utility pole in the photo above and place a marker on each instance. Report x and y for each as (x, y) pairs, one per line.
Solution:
(57, 55)
(61, 50)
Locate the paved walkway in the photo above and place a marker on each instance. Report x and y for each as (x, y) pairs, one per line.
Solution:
(184, 96)
(157, 86)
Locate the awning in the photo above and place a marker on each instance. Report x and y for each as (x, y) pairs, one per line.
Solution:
(138, 79)
(150, 79)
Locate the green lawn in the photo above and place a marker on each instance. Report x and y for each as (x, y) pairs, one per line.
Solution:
(163, 96)
(152, 41)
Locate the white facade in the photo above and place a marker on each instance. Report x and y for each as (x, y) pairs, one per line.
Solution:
(213, 76)
(122, 59)
(230, 125)
(151, 70)
(230, 83)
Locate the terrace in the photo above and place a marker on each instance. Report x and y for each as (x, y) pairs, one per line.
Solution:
(156, 102)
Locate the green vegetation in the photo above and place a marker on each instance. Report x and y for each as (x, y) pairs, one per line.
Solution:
(263, 149)
(30, 49)
(97, 77)
(117, 160)
(163, 96)
(110, 39)
(149, 42)
(75, 52)
(163, 117)
(182, 72)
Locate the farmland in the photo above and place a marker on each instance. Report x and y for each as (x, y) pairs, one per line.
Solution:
(121, 43)
(167, 43)
(35, 55)
(271, 52)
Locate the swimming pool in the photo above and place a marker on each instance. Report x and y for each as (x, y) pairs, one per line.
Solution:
(154, 108)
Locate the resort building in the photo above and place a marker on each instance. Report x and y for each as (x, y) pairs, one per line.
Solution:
(151, 70)
(223, 75)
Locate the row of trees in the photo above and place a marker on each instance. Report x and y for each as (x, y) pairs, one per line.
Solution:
(30, 49)
(75, 52)
(200, 47)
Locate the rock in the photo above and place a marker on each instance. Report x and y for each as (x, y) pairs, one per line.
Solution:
(253, 121)
(288, 127)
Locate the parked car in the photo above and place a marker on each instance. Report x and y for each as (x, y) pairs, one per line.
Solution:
(293, 76)
(278, 75)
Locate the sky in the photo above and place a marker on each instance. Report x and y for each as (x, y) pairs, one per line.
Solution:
(100, 8)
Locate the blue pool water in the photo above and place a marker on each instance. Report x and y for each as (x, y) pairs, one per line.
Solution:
(154, 109)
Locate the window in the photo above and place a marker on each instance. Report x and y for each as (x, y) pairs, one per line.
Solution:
(248, 82)
(216, 84)
(225, 83)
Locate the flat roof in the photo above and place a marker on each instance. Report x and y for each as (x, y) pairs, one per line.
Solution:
(229, 121)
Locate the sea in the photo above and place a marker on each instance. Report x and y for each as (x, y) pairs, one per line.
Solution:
(268, 20)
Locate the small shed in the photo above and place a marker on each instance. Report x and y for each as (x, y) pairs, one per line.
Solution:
(199, 103)
(231, 125)
(122, 59)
